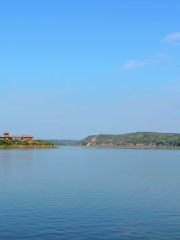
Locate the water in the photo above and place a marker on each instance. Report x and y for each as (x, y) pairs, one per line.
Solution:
(89, 193)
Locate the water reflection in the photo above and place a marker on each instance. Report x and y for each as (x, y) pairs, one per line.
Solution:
(16, 160)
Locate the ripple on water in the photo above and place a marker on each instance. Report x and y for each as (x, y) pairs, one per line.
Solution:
(88, 194)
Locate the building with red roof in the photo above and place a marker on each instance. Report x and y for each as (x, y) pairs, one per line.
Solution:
(7, 136)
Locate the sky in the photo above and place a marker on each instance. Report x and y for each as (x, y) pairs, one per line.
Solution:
(73, 68)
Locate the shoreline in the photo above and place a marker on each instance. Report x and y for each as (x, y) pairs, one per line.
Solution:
(128, 147)
(118, 147)
(28, 147)
(90, 147)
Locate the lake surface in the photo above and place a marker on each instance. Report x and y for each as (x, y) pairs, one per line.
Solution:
(89, 193)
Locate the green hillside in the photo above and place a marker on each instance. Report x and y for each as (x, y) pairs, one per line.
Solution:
(25, 144)
(139, 139)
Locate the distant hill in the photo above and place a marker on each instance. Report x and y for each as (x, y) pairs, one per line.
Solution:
(64, 142)
(137, 140)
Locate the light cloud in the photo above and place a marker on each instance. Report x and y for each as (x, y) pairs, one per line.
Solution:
(161, 56)
(158, 57)
(131, 64)
(172, 38)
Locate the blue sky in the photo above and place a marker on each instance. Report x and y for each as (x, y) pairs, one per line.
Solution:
(73, 68)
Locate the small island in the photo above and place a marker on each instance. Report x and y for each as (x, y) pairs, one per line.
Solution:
(22, 141)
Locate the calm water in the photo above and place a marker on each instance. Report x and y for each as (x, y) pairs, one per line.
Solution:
(81, 193)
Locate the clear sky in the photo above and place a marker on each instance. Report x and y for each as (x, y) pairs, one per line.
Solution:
(71, 68)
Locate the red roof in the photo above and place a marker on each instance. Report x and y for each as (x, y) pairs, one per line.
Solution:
(15, 136)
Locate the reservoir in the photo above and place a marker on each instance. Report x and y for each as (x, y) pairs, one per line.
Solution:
(89, 194)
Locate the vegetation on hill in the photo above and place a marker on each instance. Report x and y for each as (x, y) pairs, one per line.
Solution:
(25, 144)
(139, 139)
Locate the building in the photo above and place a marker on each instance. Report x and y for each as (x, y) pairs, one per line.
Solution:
(7, 136)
